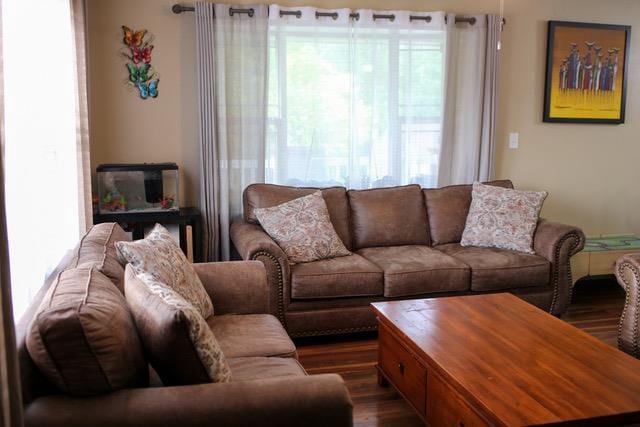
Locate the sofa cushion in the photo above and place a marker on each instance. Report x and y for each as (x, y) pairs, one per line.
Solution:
(83, 338)
(448, 208)
(495, 269)
(267, 195)
(502, 218)
(350, 276)
(97, 249)
(159, 262)
(303, 229)
(388, 217)
(416, 270)
(176, 338)
(262, 368)
(250, 335)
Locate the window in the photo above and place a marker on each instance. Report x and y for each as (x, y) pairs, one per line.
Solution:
(40, 141)
(358, 107)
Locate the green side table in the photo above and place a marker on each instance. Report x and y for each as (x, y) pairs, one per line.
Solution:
(600, 254)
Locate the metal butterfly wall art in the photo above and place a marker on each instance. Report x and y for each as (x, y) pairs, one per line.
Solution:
(138, 50)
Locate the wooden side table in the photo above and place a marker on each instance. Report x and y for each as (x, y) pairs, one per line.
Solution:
(136, 222)
(600, 254)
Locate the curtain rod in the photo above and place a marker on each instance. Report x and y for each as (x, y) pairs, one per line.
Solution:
(178, 8)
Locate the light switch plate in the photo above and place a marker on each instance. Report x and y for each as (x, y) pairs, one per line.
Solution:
(514, 140)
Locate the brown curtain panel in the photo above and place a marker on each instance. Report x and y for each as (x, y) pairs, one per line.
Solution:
(10, 393)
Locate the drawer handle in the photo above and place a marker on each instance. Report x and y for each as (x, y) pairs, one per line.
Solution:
(461, 424)
(401, 367)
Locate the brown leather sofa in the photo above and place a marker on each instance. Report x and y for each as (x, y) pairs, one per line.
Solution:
(268, 387)
(627, 272)
(406, 245)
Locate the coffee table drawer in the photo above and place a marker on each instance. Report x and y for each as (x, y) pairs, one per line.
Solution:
(446, 408)
(402, 369)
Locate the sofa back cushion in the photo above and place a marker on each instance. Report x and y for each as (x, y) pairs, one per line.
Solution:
(269, 195)
(83, 338)
(96, 249)
(388, 217)
(448, 208)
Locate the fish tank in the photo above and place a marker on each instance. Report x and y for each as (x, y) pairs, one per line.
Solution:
(145, 187)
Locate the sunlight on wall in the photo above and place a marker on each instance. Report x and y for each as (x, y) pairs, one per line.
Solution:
(40, 150)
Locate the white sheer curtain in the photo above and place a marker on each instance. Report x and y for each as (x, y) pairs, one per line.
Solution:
(360, 98)
(469, 124)
(354, 101)
(232, 74)
(46, 147)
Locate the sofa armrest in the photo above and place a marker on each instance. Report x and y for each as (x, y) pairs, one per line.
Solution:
(320, 400)
(235, 287)
(253, 243)
(628, 274)
(558, 243)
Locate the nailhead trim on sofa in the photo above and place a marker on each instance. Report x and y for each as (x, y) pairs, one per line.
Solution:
(556, 272)
(280, 312)
(627, 300)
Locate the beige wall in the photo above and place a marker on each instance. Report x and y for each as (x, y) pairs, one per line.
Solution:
(590, 171)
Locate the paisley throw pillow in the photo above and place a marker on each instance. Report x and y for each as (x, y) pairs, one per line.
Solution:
(303, 229)
(157, 260)
(502, 218)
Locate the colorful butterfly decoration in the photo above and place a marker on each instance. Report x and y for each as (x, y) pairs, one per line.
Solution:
(148, 89)
(133, 38)
(141, 54)
(138, 52)
(138, 73)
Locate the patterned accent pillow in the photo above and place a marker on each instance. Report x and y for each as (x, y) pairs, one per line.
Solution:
(158, 260)
(163, 336)
(502, 218)
(303, 229)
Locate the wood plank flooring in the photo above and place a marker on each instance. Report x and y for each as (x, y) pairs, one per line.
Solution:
(596, 309)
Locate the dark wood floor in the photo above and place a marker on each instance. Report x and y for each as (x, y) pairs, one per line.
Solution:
(596, 308)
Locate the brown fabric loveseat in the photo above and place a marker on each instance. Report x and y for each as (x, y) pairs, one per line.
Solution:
(268, 386)
(405, 244)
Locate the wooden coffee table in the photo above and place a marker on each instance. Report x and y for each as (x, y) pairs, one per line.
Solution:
(497, 360)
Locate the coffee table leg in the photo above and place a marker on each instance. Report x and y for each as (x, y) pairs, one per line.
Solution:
(382, 380)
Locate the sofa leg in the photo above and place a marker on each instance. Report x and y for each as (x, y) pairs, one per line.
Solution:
(382, 380)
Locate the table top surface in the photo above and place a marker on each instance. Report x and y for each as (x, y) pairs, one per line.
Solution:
(622, 242)
(520, 364)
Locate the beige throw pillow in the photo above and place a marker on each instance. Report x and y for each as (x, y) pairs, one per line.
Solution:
(157, 260)
(502, 218)
(303, 229)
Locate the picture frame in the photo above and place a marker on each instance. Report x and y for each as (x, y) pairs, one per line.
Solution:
(586, 74)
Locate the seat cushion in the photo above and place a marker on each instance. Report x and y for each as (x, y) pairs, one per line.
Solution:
(83, 338)
(97, 249)
(349, 276)
(262, 368)
(251, 335)
(388, 217)
(498, 269)
(415, 270)
(448, 208)
(176, 338)
(268, 195)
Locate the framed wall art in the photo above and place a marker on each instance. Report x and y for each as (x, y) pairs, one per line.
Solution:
(586, 78)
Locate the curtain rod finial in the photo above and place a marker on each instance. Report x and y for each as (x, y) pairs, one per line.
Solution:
(177, 8)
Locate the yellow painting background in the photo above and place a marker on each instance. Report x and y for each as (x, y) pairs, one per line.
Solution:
(577, 104)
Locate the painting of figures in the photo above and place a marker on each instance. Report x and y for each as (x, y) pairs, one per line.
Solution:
(586, 72)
